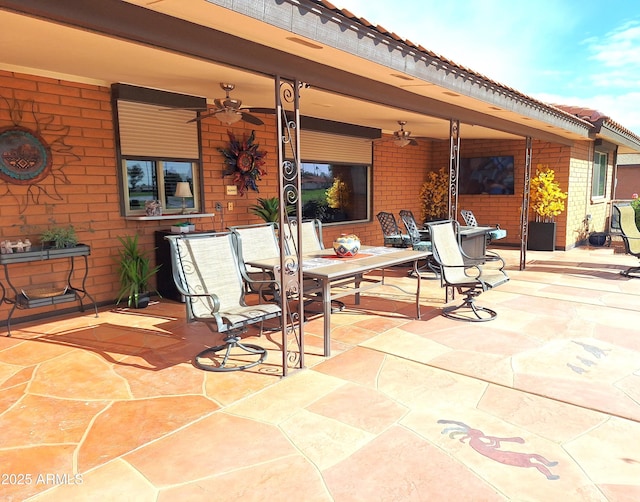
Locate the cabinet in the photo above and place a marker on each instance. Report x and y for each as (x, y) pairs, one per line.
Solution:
(32, 297)
(473, 240)
(164, 278)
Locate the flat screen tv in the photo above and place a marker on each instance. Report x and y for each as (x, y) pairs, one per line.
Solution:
(486, 175)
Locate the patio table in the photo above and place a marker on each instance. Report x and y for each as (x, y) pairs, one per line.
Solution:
(348, 274)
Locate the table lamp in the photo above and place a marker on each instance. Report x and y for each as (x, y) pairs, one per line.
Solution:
(183, 190)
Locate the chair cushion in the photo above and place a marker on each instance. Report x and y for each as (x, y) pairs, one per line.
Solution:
(397, 240)
(422, 246)
(498, 233)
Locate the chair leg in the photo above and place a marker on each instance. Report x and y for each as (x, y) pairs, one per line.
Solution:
(230, 359)
(479, 314)
(630, 272)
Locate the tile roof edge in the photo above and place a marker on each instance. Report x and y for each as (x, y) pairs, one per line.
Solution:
(383, 31)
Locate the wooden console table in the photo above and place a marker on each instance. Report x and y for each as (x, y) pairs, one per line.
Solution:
(70, 292)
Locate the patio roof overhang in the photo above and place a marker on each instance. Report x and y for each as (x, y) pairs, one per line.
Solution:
(357, 73)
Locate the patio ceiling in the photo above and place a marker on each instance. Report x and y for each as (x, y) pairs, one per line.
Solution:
(202, 44)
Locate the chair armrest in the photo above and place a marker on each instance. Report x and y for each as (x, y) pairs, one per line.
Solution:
(211, 296)
(493, 257)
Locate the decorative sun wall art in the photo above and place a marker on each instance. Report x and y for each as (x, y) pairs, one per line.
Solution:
(27, 154)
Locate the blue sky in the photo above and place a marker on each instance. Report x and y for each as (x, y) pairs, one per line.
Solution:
(571, 52)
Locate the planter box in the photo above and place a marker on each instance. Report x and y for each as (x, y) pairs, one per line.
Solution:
(542, 236)
(183, 229)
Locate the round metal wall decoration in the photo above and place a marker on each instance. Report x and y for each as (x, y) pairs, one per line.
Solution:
(244, 162)
(25, 157)
(28, 170)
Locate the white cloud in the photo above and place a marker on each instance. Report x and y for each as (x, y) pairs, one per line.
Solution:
(619, 48)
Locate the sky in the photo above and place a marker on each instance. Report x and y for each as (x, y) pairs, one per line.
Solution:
(570, 52)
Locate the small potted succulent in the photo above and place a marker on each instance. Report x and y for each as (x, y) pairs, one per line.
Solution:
(59, 237)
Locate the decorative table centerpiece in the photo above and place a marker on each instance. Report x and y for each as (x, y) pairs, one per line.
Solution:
(346, 246)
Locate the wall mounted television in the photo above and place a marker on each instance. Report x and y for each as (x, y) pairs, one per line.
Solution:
(486, 175)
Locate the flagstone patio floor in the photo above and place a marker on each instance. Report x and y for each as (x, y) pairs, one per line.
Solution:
(541, 404)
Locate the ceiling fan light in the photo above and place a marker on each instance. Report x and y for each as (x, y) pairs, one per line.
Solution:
(401, 142)
(229, 117)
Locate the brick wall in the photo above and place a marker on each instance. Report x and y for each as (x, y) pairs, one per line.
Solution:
(76, 119)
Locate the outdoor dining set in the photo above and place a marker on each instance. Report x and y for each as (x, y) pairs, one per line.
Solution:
(232, 280)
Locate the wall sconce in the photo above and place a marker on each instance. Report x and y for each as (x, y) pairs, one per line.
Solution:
(183, 190)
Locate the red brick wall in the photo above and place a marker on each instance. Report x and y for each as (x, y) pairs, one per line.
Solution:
(83, 186)
(505, 209)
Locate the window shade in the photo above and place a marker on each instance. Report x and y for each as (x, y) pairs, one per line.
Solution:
(149, 131)
(326, 147)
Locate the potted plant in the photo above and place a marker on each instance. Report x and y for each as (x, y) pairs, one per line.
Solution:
(434, 195)
(546, 201)
(59, 237)
(269, 209)
(135, 273)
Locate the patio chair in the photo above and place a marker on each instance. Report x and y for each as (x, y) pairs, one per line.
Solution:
(420, 241)
(254, 242)
(391, 232)
(311, 232)
(630, 236)
(468, 280)
(419, 238)
(493, 235)
(206, 271)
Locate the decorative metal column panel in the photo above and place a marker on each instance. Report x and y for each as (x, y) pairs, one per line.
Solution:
(454, 167)
(289, 190)
(524, 213)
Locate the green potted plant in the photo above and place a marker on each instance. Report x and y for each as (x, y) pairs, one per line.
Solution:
(268, 209)
(547, 201)
(135, 272)
(59, 237)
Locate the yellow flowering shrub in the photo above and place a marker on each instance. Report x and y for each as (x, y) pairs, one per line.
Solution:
(434, 195)
(546, 198)
(338, 195)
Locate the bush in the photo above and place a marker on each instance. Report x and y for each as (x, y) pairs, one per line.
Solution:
(546, 199)
(434, 195)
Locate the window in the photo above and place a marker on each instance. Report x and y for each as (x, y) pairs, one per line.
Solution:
(335, 176)
(599, 179)
(158, 147)
(335, 192)
(148, 179)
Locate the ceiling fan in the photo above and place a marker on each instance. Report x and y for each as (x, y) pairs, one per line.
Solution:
(228, 110)
(401, 137)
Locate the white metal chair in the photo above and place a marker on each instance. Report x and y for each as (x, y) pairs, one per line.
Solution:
(207, 273)
(469, 280)
(255, 242)
(311, 239)
(311, 231)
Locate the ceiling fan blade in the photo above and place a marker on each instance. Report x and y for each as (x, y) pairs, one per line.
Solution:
(202, 116)
(247, 117)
